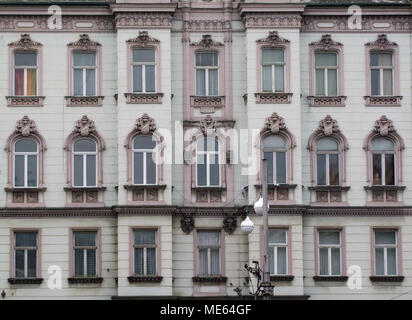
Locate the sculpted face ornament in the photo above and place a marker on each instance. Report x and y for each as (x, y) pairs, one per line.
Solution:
(275, 123)
(187, 224)
(384, 126)
(328, 126)
(25, 126)
(145, 124)
(85, 126)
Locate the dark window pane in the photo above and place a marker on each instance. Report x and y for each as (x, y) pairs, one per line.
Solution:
(267, 78)
(201, 170)
(144, 142)
(25, 145)
(333, 169)
(200, 82)
(84, 238)
(78, 82)
(320, 82)
(379, 261)
(90, 82)
(151, 261)
(32, 170)
(277, 236)
(84, 145)
(335, 256)
(206, 59)
(25, 58)
(138, 261)
(329, 237)
(323, 262)
(143, 55)
(385, 237)
(377, 169)
(150, 78)
(150, 168)
(269, 157)
(280, 167)
(214, 170)
(19, 263)
(19, 171)
(145, 237)
(391, 257)
(272, 260)
(31, 263)
(321, 169)
(91, 262)
(138, 167)
(279, 79)
(26, 239)
(78, 262)
(78, 170)
(84, 59)
(91, 170)
(375, 82)
(137, 79)
(389, 169)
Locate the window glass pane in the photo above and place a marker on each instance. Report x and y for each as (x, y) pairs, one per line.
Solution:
(19, 263)
(277, 236)
(84, 145)
(203, 262)
(32, 170)
(150, 78)
(19, 171)
(323, 262)
(201, 170)
(91, 262)
(19, 82)
(335, 252)
(280, 167)
(84, 238)
(334, 169)
(379, 261)
(31, 263)
(214, 261)
(138, 168)
(269, 157)
(279, 79)
(327, 144)
(267, 78)
(271, 260)
(31, 82)
(214, 170)
(138, 261)
(137, 79)
(382, 144)
(272, 56)
(91, 170)
(391, 258)
(374, 59)
(151, 260)
(204, 59)
(381, 59)
(78, 82)
(150, 168)
(78, 170)
(375, 82)
(208, 144)
(143, 55)
(385, 237)
(329, 237)
(389, 169)
(320, 82)
(332, 82)
(281, 260)
(78, 262)
(274, 143)
(26, 239)
(377, 169)
(200, 82)
(144, 236)
(321, 169)
(326, 59)
(90, 82)
(25, 58)
(213, 82)
(387, 82)
(208, 238)
(25, 145)
(84, 59)
(144, 142)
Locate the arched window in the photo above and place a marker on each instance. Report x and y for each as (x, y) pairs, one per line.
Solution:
(383, 157)
(327, 162)
(207, 163)
(274, 151)
(144, 160)
(26, 162)
(84, 163)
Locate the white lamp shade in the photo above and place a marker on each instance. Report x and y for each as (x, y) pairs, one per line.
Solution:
(258, 206)
(247, 225)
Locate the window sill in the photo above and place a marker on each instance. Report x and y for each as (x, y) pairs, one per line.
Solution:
(208, 188)
(153, 279)
(329, 188)
(143, 98)
(84, 101)
(25, 101)
(33, 189)
(385, 188)
(282, 278)
(94, 280)
(145, 186)
(331, 278)
(383, 101)
(209, 279)
(278, 186)
(327, 101)
(84, 188)
(207, 104)
(273, 97)
(386, 278)
(25, 280)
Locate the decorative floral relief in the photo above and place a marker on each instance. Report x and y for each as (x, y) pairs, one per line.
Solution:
(143, 39)
(208, 125)
(328, 126)
(383, 126)
(207, 42)
(84, 126)
(187, 223)
(25, 126)
(273, 39)
(84, 43)
(275, 123)
(25, 42)
(145, 125)
(382, 42)
(326, 42)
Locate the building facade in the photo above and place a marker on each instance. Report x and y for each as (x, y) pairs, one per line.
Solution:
(133, 133)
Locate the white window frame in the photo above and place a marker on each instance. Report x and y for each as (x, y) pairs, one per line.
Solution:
(325, 74)
(330, 247)
(144, 64)
(85, 248)
(381, 68)
(25, 73)
(25, 154)
(273, 66)
(144, 247)
(383, 166)
(208, 155)
(274, 246)
(145, 152)
(385, 248)
(84, 155)
(327, 153)
(25, 253)
(84, 71)
(207, 68)
(209, 249)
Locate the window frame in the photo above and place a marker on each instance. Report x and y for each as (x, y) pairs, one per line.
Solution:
(25, 68)
(325, 75)
(26, 154)
(209, 248)
(143, 64)
(330, 247)
(13, 252)
(98, 232)
(84, 155)
(327, 163)
(342, 231)
(274, 163)
(273, 73)
(207, 68)
(84, 71)
(397, 246)
(84, 249)
(383, 164)
(282, 245)
(144, 151)
(157, 230)
(208, 154)
(381, 68)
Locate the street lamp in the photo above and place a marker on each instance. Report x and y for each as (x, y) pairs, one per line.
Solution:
(247, 226)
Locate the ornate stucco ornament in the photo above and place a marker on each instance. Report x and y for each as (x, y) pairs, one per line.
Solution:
(84, 42)
(273, 39)
(84, 126)
(145, 125)
(382, 42)
(229, 224)
(326, 42)
(143, 39)
(275, 123)
(25, 126)
(187, 223)
(208, 126)
(383, 126)
(328, 126)
(25, 42)
(207, 42)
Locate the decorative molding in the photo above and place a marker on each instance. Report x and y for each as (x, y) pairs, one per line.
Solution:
(84, 101)
(267, 20)
(145, 125)
(275, 123)
(276, 278)
(144, 278)
(382, 43)
(84, 127)
(326, 43)
(383, 126)
(143, 20)
(327, 101)
(84, 43)
(187, 223)
(25, 42)
(328, 126)
(273, 98)
(208, 125)
(25, 101)
(143, 98)
(207, 104)
(26, 212)
(206, 25)
(273, 39)
(143, 40)
(76, 280)
(207, 42)
(230, 224)
(383, 101)
(209, 279)
(26, 126)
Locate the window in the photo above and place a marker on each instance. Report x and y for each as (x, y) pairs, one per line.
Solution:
(144, 248)
(25, 73)
(85, 253)
(381, 65)
(84, 73)
(208, 243)
(25, 163)
(274, 151)
(383, 153)
(329, 253)
(84, 163)
(144, 70)
(278, 255)
(207, 74)
(208, 171)
(327, 162)
(273, 70)
(25, 254)
(144, 160)
(326, 74)
(386, 252)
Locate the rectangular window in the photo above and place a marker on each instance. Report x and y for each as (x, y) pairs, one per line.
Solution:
(386, 252)
(278, 251)
(207, 74)
(144, 167)
(208, 243)
(144, 70)
(25, 254)
(383, 169)
(85, 253)
(273, 70)
(207, 164)
(326, 73)
(25, 73)
(381, 66)
(276, 167)
(84, 73)
(328, 169)
(329, 247)
(144, 248)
